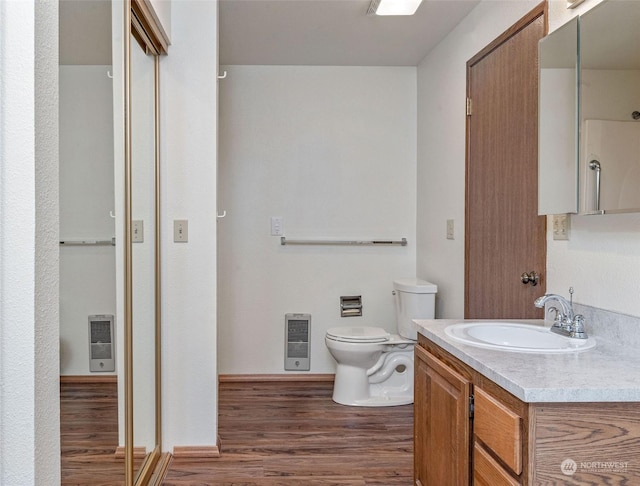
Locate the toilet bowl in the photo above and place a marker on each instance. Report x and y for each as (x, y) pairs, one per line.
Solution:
(364, 367)
(374, 368)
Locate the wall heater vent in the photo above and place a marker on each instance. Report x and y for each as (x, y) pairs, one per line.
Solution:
(297, 344)
(101, 343)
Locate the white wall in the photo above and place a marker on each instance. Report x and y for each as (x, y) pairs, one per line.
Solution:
(47, 351)
(188, 108)
(87, 273)
(601, 260)
(29, 393)
(332, 151)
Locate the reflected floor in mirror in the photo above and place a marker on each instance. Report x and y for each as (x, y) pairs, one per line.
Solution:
(288, 434)
(89, 434)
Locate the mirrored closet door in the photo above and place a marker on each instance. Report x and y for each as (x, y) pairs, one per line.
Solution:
(143, 45)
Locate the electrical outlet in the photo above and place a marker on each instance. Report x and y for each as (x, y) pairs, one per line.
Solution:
(450, 229)
(180, 231)
(137, 231)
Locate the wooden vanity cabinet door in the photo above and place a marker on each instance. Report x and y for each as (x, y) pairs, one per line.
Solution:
(499, 428)
(441, 423)
(487, 471)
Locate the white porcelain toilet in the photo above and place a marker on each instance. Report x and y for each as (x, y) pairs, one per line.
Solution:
(373, 367)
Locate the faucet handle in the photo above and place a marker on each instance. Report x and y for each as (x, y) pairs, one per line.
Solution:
(557, 316)
(571, 297)
(578, 327)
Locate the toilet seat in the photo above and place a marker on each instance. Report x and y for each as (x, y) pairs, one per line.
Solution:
(360, 334)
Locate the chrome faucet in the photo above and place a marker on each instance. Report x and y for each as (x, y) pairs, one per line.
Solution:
(567, 307)
(566, 322)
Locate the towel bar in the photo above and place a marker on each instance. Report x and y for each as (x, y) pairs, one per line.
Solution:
(111, 242)
(402, 242)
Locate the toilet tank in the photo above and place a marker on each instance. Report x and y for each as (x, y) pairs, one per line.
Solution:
(415, 299)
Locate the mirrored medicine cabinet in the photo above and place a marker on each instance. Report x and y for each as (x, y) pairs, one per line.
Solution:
(589, 116)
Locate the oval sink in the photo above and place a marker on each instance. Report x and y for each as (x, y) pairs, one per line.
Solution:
(515, 336)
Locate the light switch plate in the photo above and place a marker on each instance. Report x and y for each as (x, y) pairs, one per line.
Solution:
(137, 231)
(450, 229)
(180, 231)
(561, 226)
(277, 226)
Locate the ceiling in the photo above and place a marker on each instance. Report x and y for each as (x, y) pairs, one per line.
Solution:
(331, 32)
(85, 32)
(285, 32)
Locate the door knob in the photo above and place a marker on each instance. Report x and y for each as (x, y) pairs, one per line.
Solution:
(530, 278)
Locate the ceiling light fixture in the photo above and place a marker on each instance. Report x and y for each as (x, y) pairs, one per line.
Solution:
(393, 7)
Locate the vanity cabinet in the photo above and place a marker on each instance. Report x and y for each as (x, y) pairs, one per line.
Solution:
(470, 431)
(463, 434)
(441, 421)
(497, 432)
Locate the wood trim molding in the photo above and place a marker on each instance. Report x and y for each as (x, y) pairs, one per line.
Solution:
(145, 472)
(161, 469)
(138, 452)
(88, 378)
(265, 378)
(197, 452)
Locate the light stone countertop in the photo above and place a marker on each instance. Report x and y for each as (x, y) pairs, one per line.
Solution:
(610, 372)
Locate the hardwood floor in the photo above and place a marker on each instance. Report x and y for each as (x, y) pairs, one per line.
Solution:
(288, 434)
(89, 434)
(272, 434)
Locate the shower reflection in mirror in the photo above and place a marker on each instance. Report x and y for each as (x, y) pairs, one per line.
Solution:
(609, 97)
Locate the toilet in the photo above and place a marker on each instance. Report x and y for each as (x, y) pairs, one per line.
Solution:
(373, 367)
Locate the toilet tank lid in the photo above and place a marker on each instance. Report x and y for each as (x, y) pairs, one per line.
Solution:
(415, 286)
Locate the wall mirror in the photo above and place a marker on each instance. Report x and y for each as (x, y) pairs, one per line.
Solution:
(143, 159)
(610, 108)
(558, 121)
(589, 118)
(87, 265)
(143, 45)
(109, 174)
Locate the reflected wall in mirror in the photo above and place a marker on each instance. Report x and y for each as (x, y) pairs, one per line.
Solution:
(87, 270)
(609, 96)
(558, 121)
(143, 192)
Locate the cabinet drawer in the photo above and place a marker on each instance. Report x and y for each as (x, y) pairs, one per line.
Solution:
(499, 428)
(487, 472)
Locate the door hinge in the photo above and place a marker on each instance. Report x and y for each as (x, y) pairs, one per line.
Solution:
(468, 106)
(471, 407)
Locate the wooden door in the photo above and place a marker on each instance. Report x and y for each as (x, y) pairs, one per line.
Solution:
(504, 237)
(441, 423)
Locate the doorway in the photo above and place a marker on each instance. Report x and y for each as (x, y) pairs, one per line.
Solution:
(504, 236)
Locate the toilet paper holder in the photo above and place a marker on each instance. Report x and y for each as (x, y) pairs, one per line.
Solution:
(350, 305)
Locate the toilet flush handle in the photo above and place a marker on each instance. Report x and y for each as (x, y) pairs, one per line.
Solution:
(393, 292)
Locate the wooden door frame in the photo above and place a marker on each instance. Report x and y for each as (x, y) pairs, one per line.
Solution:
(540, 10)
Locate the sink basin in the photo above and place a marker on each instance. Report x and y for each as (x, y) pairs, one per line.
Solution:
(515, 336)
